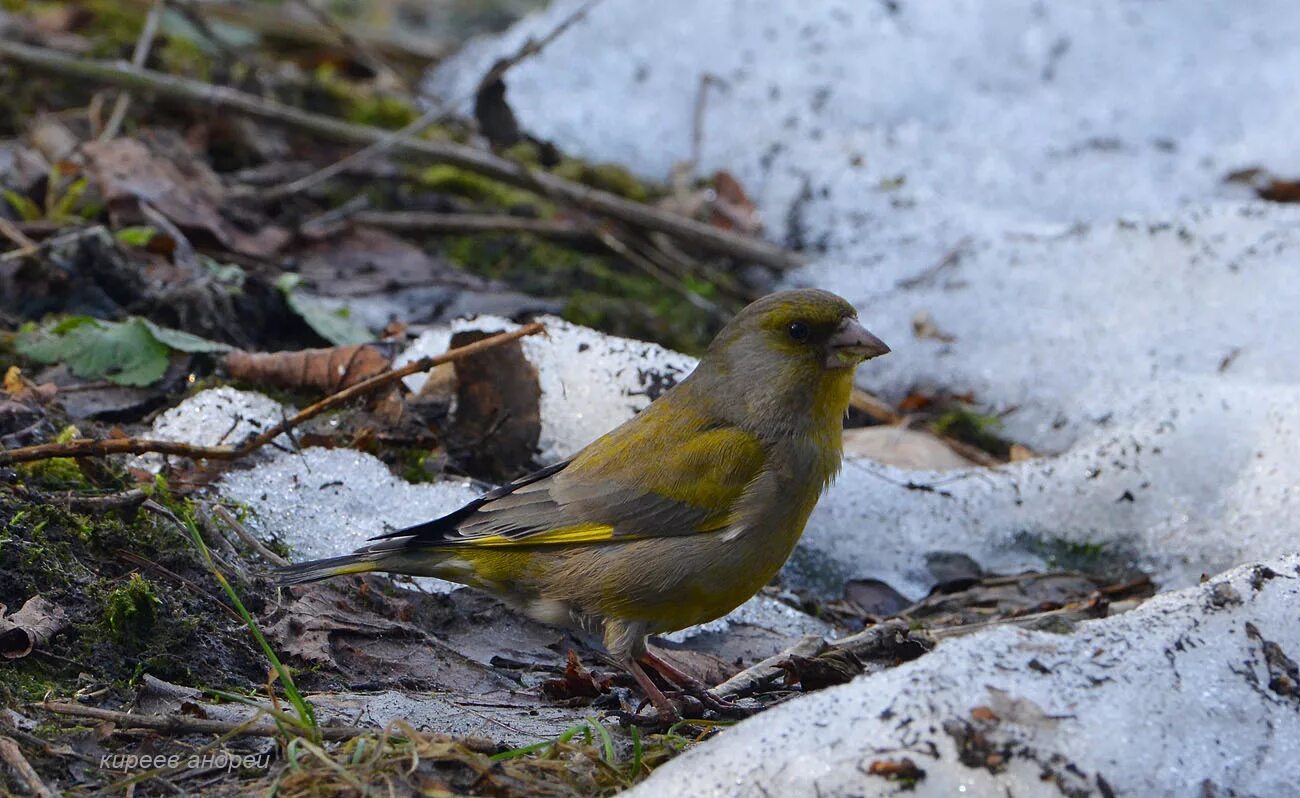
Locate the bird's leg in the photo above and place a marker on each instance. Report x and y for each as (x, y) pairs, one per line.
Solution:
(667, 711)
(689, 684)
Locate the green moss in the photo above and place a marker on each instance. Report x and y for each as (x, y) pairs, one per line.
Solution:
(598, 294)
(605, 176)
(182, 56)
(1106, 561)
(974, 428)
(23, 681)
(362, 103)
(413, 465)
(451, 180)
(131, 610)
(113, 26)
(57, 472)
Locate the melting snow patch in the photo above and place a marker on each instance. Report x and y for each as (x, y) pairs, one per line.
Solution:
(994, 164)
(1190, 478)
(1193, 693)
(215, 417)
(327, 502)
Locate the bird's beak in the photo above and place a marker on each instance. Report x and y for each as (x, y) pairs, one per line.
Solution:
(851, 344)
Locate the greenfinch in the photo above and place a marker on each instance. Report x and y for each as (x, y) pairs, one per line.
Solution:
(677, 516)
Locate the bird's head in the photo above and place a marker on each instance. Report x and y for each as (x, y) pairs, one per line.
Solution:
(791, 352)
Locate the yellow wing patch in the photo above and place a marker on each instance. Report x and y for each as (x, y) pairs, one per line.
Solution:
(579, 533)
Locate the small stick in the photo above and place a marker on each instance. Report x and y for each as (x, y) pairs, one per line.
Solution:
(52, 241)
(13, 757)
(85, 447)
(700, 234)
(459, 223)
(1094, 607)
(366, 55)
(870, 405)
(386, 378)
(764, 672)
(656, 272)
(87, 503)
(180, 724)
(248, 538)
(867, 644)
(414, 128)
(11, 232)
(141, 54)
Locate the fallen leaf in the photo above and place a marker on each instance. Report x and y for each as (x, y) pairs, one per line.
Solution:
(325, 370)
(732, 207)
(362, 260)
(874, 597)
(32, 626)
(575, 683)
(896, 769)
(134, 352)
(179, 186)
(983, 713)
(498, 413)
(333, 325)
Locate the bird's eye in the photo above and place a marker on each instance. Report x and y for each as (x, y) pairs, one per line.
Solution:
(798, 331)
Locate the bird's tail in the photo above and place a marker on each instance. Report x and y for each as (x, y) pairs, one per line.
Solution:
(298, 573)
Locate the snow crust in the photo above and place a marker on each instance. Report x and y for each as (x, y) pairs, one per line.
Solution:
(1186, 695)
(1065, 160)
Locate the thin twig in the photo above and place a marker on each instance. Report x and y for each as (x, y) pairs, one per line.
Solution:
(533, 47)
(1089, 610)
(13, 757)
(411, 130)
(86, 503)
(10, 231)
(655, 271)
(141, 54)
(765, 672)
(593, 200)
(145, 562)
(53, 241)
(365, 54)
(271, 20)
(870, 643)
(470, 223)
(84, 447)
(386, 378)
(874, 407)
(180, 724)
(248, 537)
(88, 447)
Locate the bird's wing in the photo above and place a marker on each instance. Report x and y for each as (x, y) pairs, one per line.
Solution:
(637, 482)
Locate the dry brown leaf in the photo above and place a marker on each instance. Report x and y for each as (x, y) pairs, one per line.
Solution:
(576, 683)
(732, 207)
(325, 370)
(30, 627)
(176, 184)
(498, 411)
(896, 769)
(366, 260)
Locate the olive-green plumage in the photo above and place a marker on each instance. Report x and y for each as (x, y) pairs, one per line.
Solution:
(680, 514)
